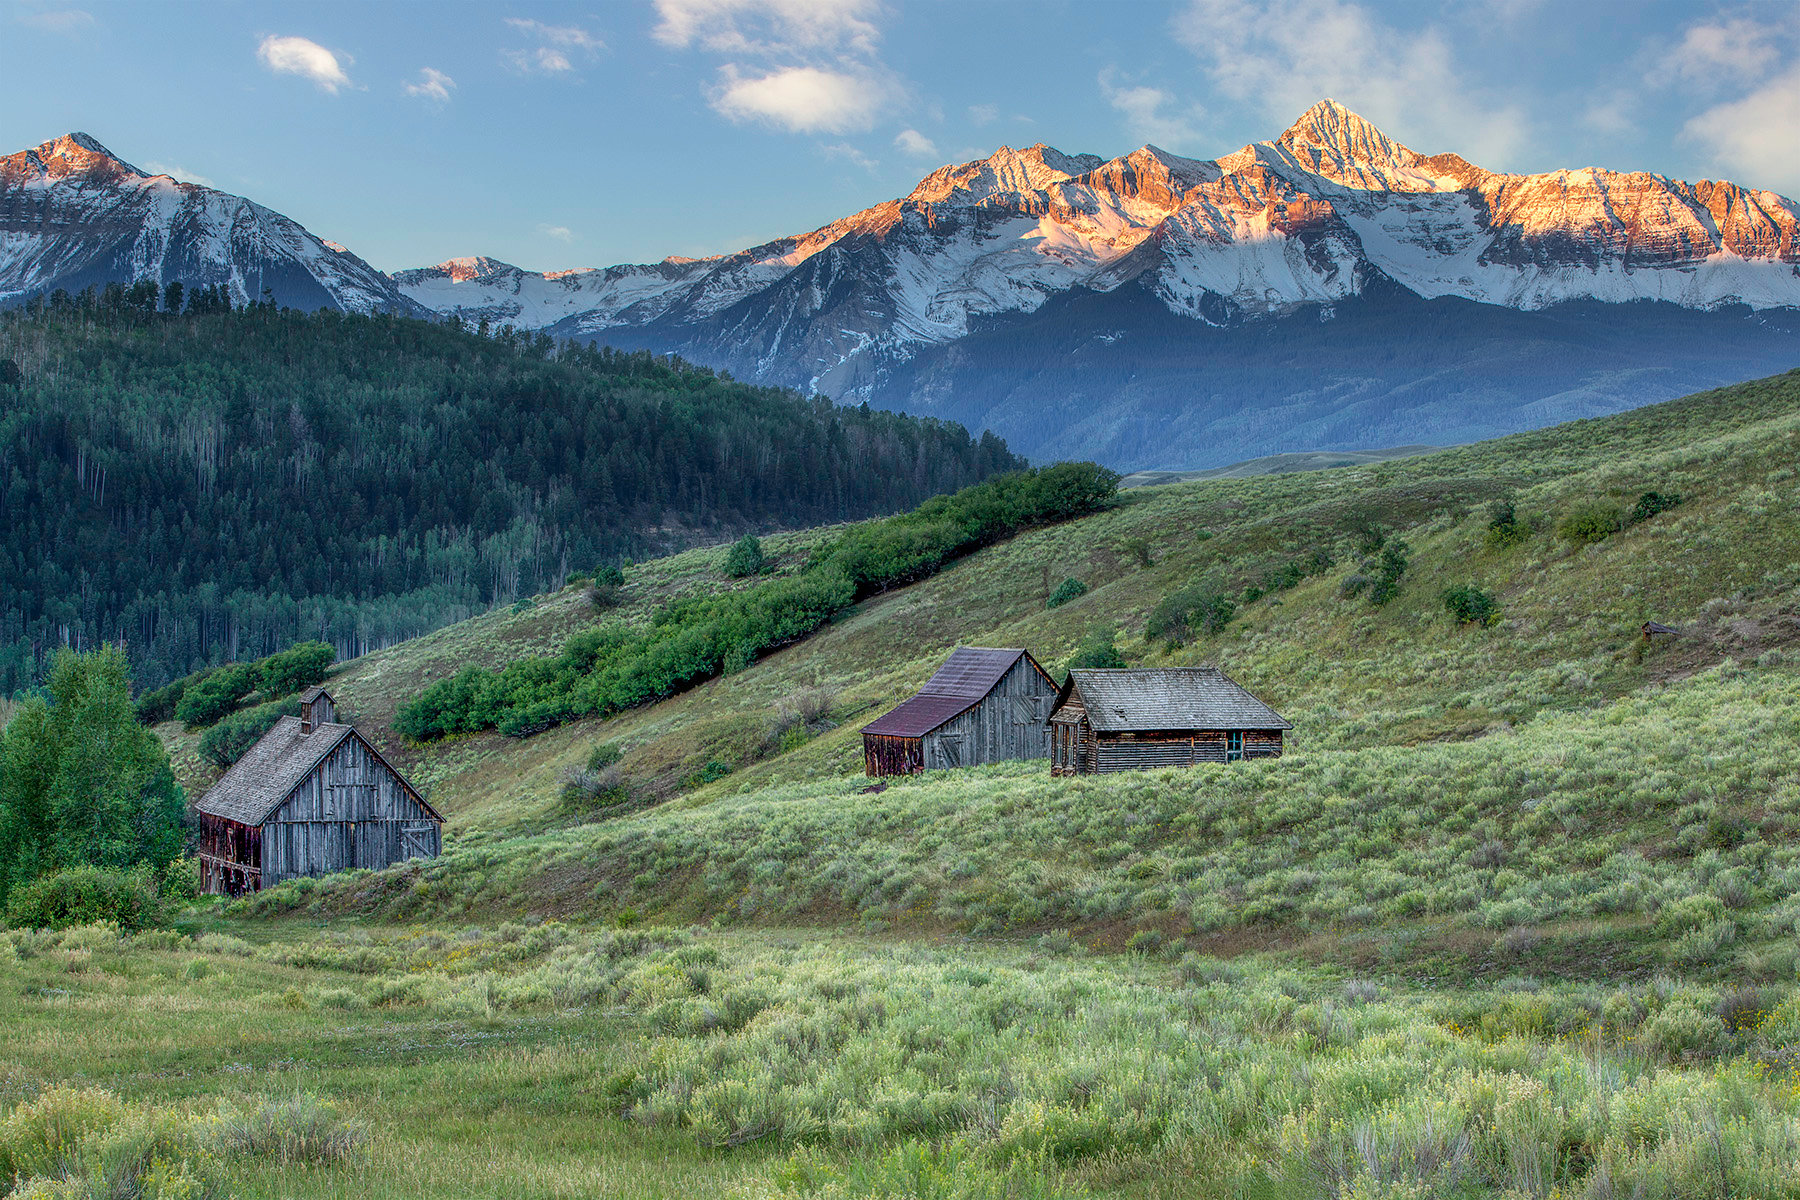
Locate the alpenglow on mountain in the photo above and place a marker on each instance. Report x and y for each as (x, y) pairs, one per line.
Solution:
(1331, 288)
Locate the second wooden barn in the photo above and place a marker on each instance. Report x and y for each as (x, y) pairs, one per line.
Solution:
(982, 706)
(1128, 720)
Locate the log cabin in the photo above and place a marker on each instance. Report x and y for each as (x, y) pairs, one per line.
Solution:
(982, 706)
(312, 796)
(1137, 719)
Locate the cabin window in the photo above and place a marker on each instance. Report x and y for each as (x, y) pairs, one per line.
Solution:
(1234, 745)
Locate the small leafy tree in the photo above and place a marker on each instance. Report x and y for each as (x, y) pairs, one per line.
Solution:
(295, 668)
(745, 558)
(1067, 590)
(81, 782)
(1199, 608)
(1395, 557)
(1139, 549)
(1471, 606)
(609, 576)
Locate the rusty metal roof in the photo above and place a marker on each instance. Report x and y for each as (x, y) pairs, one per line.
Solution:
(1168, 698)
(967, 676)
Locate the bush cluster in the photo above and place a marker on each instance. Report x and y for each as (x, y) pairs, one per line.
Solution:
(227, 739)
(129, 900)
(1471, 606)
(1067, 590)
(602, 671)
(1379, 576)
(1198, 608)
(205, 697)
(745, 558)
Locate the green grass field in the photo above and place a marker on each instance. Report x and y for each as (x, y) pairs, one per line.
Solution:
(1516, 916)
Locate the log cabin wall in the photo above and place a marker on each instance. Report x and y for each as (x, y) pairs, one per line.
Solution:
(892, 755)
(351, 811)
(1007, 725)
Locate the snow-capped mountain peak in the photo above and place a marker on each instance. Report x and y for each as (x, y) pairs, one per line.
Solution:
(1004, 172)
(74, 156)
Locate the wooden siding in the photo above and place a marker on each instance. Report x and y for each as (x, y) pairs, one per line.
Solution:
(892, 755)
(351, 811)
(230, 856)
(1007, 725)
(1146, 751)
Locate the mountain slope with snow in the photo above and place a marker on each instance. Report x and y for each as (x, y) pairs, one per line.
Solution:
(885, 305)
(73, 214)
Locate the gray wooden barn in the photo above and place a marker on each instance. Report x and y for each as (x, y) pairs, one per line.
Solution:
(311, 797)
(981, 706)
(1127, 720)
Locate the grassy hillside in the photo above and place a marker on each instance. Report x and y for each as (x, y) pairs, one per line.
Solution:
(1516, 916)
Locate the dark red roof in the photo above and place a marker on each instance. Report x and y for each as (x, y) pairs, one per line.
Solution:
(966, 677)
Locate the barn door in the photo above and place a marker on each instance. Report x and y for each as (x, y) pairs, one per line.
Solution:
(951, 746)
(415, 840)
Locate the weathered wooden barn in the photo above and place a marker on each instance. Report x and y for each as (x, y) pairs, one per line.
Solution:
(311, 797)
(981, 706)
(1127, 720)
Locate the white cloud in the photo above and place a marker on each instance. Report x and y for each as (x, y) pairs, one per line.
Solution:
(766, 27)
(306, 58)
(54, 20)
(181, 173)
(1723, 52)
(849, 153)
(432, 84)
(1152, 114)
(561, 233)
(556, 46)
(1285, 55)
(1757, 138)
(984, 114)
(1610, 117)
(912, 142)
(803, 99)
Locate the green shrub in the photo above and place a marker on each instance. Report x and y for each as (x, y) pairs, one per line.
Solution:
(1190, 610)
(609, 576)
(605, 755)
(1138, 549)
(1471, 606)
(232, 735)
(745, 558)
(1067, 590)
(1097, 651)
(86, 896)
(1592, 522)
(1395, 557)
(295, 669)
(1651, 503)
(1504, 527)
(155, 707)
(297, 1130)
(219, 692)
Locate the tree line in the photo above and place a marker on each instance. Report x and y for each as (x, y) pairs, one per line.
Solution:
(215, 484)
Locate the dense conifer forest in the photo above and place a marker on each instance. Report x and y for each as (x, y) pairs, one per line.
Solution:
(216, 484)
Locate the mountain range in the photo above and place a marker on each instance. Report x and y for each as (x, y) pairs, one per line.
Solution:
(1330, 288)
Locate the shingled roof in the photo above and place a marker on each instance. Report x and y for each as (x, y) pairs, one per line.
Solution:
(258, 782)
(966, 677)
(1168, 698)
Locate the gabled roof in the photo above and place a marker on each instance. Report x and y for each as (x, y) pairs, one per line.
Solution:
(257, 783)
(964, 680)
(1168, 698)
(313, 693)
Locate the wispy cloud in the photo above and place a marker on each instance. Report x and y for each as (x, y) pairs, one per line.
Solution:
(432, 84)
(1282, 56)
(803, 66)
(561, 233)
(557, 48)
(307, 59)
(53, 18)
(849, 153)
(802, 99)
(1718, 53)
(769, 27)
(911, 141)
(1756, 138)
(984, 114)
(179, 172)
(1152, 114)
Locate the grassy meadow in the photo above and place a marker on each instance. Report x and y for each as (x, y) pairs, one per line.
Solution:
(1516, 915)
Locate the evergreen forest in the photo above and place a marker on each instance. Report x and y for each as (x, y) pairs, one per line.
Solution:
(211, 485)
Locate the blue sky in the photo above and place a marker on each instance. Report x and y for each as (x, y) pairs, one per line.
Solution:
(584, 134)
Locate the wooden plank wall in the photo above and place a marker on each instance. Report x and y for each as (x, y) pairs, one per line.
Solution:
(352, 811)
(892, 755)
(1008, 725)
(1145, 751)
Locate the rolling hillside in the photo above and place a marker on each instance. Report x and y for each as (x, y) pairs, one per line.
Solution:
(1514, 917)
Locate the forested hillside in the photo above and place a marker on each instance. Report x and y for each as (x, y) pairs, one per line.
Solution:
(220, 484)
